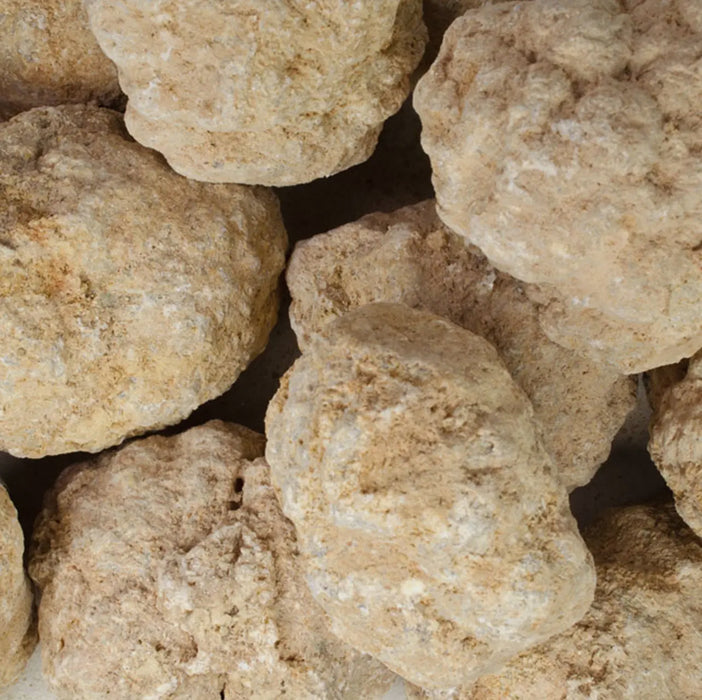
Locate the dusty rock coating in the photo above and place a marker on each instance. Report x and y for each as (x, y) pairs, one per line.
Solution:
(168, 570)
(17, 625)
(261, 93)
(409, 256)
(434, 531)
(676, 442)
(129, 295)
(565, 141)
(49, 56)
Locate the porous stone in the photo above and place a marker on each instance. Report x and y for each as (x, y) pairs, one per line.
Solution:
(49, 56)
(434, 531)
(676, 438)
(261, 93)
(168, 570)
(409, 256)
(18, 634)
(565, 142)
(130, 295)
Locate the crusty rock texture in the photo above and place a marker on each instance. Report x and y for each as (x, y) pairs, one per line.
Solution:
(49, 56)
(261, 93)
(434, 531)
(409, 256)
(168, 570)
(18, 634)
(130, 295)
(565, 142)
(676, 441)
(641, 637)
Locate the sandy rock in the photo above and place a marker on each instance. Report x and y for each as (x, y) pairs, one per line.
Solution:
(18, 634)
(409, 256)
(168, 570)
(49, 56)
(434, 531)
(565, 141)
(676, 440)
(130, 295)
(261, 93)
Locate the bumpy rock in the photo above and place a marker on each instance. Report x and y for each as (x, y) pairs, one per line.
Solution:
(18, 629)
(565, 142)
(168, 570)
(676, 440)
(129, 294)
(261, 93)
(49, 56)
(409, 256)
(434, 530)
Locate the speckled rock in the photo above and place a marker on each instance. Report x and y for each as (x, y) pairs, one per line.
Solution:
(49, 56)
(676, 440)
(409, 256)
(261, 93)
(565, 142)
(168, 570)
(130, 295)
(434, 531)
(18, 628)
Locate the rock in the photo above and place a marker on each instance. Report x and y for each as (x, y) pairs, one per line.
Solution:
(434, 531)
(676, 440)
(49, 56)
(168, 570)
(261, 93)
(409, 256)
(19, 635)
(130, 295)
(565, 142)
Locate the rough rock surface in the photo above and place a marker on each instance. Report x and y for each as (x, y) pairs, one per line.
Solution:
(676, 441)
(434, 530)
(17, 625)
(49, 56)
(261, 93)
(565, 142)
(168, 570)
(129, 295)
(409, 256)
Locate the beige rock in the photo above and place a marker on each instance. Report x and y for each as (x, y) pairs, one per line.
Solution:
(434, 531)
(409, 256)
(261, 93)
(168, 570)
(676, 441)
(49, 56)
(18, 634)
(565, 141)
(129, 295)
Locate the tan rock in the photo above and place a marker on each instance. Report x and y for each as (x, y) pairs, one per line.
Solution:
(168, 570)
(409, 256)
(129, 295)
(565, 141)
(261, 93)
(434, 531)
(49, 56)
(676, 441)
(18, 634)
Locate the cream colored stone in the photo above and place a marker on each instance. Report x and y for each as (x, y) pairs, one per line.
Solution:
(676, 439)
(434, 531)
(168, 570)
(261, 93)
(409, 256)
(18, 634)
(129, 295)
(565, 142)
(49, 56)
